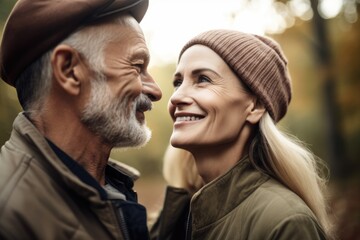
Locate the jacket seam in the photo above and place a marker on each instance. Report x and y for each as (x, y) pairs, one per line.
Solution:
(294, 216)
(13, 181)
(75, 231)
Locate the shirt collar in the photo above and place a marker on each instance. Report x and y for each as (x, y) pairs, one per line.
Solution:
(78, 170)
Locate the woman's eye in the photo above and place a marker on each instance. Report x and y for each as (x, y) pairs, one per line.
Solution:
(203, 79)
(177, 83)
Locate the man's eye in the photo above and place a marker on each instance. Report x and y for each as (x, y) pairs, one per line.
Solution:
(138, 67)
(177, 83)
(203, 79)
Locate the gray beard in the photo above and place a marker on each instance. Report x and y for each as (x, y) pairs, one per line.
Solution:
(112, 119)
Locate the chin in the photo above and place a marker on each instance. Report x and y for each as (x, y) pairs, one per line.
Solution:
(136, 136)
(180, 144)
(144, 139)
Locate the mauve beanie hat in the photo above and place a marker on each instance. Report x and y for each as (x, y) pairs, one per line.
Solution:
(258, 62)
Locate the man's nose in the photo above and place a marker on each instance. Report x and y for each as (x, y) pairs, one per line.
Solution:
(151, 89)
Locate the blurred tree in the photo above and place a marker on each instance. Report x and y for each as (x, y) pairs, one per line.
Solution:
(337, 156)
(347, 50)
(9, 108)
(320, 13)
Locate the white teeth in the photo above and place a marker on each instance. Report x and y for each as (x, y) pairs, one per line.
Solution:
(187, 118)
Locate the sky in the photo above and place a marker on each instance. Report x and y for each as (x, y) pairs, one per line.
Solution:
(168, 24)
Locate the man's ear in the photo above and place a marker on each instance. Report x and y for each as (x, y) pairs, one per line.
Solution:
(68, 68)
(256, 112)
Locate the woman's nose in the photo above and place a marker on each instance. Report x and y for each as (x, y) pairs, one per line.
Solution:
(151, 88)
(181, 96)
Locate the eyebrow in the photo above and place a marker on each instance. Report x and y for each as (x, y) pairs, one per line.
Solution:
(141, 54)
(197, 71)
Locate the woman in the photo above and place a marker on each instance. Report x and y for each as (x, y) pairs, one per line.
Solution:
(231, 88)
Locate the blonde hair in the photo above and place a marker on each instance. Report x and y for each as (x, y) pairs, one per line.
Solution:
(288, 160)
(180, 170)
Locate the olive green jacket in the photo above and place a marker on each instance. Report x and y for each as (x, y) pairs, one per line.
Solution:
(40, 198)
(242, 204)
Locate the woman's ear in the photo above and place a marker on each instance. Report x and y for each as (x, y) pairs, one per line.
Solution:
(256, 112)
(67, 68)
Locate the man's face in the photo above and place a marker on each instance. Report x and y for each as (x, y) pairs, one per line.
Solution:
(111, 119)
(123, 91)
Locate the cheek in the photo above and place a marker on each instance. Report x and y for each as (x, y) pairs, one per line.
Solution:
(126, 85)
(229, 117)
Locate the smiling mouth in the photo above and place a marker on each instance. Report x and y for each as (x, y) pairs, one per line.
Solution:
(188, 118)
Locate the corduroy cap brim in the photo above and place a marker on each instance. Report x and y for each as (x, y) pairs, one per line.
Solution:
(35, 26)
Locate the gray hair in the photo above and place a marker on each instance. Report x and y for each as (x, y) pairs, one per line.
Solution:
(34, 84)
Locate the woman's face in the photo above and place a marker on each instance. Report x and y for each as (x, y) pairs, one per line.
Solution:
(209, 106)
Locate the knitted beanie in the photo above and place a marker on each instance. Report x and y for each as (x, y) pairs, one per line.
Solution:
(257, 61)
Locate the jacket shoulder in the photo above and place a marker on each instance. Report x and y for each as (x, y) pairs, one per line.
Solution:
(19, 189)
(275, 198)
(13, 166)
(279, 213)
(29, 194)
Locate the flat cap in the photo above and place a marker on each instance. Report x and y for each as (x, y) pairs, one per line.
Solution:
(35, 26)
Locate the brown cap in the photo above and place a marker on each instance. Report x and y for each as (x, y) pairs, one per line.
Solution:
(257, 61)
(35, 26)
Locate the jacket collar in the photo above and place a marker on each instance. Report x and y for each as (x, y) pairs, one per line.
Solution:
(219, 197)
(26, 136)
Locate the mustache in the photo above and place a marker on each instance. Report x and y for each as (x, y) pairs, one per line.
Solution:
(143, 103)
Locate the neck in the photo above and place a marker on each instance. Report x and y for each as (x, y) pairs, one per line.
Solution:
(214, 161)
(213, 164)
(67, 132)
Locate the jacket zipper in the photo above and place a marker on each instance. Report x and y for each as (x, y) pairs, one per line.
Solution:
(187, 232)
(122, 223)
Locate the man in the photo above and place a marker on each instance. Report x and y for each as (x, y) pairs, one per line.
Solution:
(80, 71)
